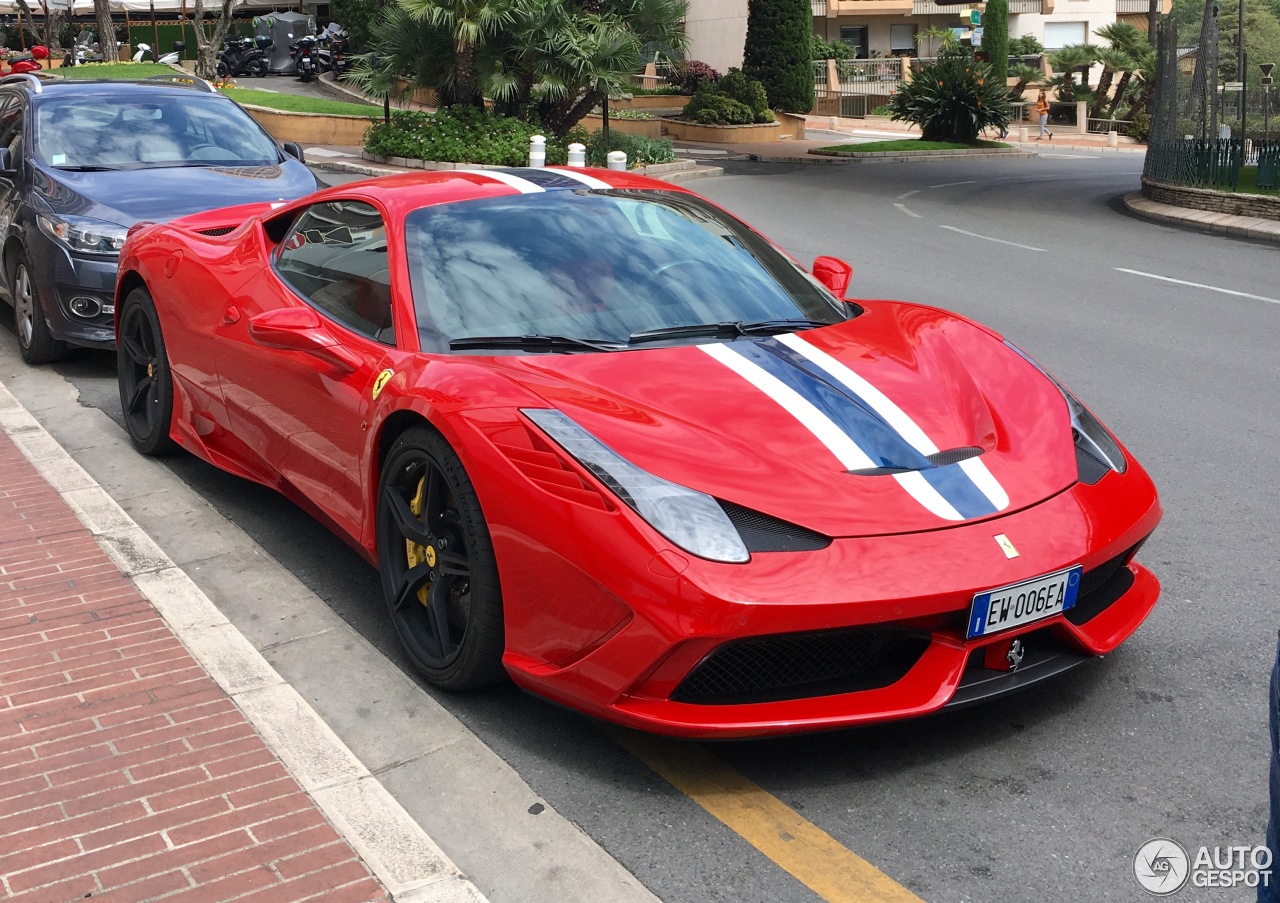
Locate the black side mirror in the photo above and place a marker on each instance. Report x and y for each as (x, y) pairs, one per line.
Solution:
(294, 149)
(6, 161)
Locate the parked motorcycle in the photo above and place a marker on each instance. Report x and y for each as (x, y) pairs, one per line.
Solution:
(305, 59)
(244, 56)
(332, 52)
(146, 54)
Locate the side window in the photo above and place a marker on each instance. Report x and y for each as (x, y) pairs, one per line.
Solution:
(11, 127)
(335, 257)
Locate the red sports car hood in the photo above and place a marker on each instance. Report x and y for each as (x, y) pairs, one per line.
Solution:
(903, 419)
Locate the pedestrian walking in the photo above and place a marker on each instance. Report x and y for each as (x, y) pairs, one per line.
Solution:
(1042, 110)
(1268, 892)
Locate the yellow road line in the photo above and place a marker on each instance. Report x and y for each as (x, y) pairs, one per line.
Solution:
(810, 854)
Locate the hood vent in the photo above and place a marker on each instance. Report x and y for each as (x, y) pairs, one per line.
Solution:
(220, 230)
(937, 459)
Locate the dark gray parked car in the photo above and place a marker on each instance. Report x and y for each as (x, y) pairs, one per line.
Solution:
(81, 161)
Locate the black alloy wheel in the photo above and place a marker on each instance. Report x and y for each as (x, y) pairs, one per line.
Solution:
(142, 370)
(435, 556)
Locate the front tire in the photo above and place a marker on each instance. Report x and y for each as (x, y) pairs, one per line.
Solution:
(35, 341)
(439, 573)
(258, 68)
(142, 370)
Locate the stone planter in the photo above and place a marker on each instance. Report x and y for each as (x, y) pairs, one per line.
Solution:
(651, 102)
(649, 128)
(314, 128)
(683, 130)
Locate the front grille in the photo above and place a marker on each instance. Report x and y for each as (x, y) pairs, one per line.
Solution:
(800, 665)
(762, 533)
(221, 230)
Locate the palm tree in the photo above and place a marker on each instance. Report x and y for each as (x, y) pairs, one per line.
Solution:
(1067, 60)
(1113, 60)
(406, 54)
(1026, 75)
(470, 23)
(1126, 37)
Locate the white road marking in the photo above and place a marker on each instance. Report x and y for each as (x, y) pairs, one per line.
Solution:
(952, 184)
(1210, 288)
(1068, 156)
(903, 208)
(903, 197)
(989, 238)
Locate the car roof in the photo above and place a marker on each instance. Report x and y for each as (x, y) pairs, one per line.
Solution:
(105, 87)
(400, 194)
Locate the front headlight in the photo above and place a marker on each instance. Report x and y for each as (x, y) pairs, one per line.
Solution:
(1091, 437)
(692, 520)
(83, 235)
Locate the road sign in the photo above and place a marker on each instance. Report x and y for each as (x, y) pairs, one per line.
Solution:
(1266, 69)
(1233, 86)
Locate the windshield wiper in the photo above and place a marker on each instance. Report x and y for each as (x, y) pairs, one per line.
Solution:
(88, 168)
(545, 343)
(727, 329)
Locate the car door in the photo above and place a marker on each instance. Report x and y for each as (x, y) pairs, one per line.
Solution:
(301, 348)
(11, 122)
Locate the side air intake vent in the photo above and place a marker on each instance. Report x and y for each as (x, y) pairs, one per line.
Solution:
(762, 533)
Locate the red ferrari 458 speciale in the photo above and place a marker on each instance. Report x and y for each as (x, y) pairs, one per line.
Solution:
(600, 436)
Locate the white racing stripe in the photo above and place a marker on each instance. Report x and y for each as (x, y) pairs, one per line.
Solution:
(847, 452)
(586, 180)
(524, 186)
(897, 418)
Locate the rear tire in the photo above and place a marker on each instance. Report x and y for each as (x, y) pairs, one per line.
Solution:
(258, 68)
(35, 341)
(142, 371)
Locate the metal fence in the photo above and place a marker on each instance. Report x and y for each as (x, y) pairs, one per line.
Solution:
(1206, 132)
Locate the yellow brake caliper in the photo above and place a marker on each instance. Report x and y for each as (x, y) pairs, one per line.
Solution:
(415, 553)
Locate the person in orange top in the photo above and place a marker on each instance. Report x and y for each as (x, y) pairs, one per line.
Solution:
(1042, 110)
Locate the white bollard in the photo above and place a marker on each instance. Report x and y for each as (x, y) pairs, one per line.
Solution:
(618, 160)
(832, 123)
(577, 155)
(537, 152)
(1022, 134)
(1113, 138)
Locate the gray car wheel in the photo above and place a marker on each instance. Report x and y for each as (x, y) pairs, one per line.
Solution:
(35, 341)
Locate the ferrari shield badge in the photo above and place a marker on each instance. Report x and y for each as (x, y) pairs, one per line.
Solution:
(383, 378)
(1002, 541)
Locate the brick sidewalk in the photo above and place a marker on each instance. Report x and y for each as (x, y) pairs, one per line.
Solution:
(126, 773)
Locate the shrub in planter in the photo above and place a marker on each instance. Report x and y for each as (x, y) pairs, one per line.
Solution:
(459, 134)
(735, 99)
(640, 150)
(952, 99)
(688, 76)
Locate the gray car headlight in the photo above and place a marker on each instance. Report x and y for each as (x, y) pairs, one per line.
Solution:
(692, 520)
(1088, 432)
(84, 235)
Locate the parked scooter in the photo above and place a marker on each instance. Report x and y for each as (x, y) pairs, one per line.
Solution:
(305, 59)
(30, 62)
(244, 56)
(333, 48)
(146, 54)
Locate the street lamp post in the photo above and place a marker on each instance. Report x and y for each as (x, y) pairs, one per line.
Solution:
(1265, 81)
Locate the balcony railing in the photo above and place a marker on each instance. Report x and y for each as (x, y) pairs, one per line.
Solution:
(819, 7)
(1027, 6)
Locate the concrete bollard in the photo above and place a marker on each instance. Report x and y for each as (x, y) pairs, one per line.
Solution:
(537, 152)
(1022, 134)
(1113, 138)
(618, 160)
(577, 155)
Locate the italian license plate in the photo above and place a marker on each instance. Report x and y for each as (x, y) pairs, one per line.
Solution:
(1022, 603)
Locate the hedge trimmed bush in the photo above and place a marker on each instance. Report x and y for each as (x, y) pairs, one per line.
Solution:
(689, 75)
(459, 134)
(778, 52)
(733, 100)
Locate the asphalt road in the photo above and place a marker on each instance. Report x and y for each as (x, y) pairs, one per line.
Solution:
(1043, 796)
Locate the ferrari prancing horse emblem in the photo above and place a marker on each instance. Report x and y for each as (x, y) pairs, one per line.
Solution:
(383, 378)
(1001, 540)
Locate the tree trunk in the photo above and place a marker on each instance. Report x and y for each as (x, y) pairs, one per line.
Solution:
(106, 32)
(209, 44)
(1121, 86)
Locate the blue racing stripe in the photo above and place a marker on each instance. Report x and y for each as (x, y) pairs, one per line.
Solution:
(547, 179)
(954, 485)
(881, 443)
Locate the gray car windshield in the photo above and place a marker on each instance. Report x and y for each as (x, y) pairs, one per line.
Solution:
(599, 270)
(137, 131)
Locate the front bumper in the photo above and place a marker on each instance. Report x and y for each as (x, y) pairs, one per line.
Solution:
(913, 589)
(61, 278)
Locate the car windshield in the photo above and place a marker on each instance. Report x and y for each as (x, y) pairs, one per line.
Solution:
(136, 131)
(592, 270)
